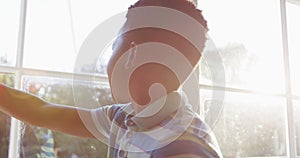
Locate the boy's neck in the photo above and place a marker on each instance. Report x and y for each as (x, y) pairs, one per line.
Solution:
(157, 101)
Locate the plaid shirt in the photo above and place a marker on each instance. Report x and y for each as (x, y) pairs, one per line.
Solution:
(173, 131)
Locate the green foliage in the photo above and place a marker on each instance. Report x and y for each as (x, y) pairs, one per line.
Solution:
(7, 79)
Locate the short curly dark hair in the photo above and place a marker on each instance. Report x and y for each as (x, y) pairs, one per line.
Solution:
(186, 6)
(182, 44)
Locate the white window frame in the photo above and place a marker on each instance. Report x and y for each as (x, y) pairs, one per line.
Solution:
(20, 71)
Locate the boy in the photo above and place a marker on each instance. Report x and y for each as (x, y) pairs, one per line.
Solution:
(152, 118)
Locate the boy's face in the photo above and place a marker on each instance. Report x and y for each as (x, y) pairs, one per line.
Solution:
(120, 46)
(128, 85)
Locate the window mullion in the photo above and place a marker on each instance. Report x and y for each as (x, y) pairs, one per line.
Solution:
(291, 135)
(8, 69)
(15, 124)
(247, 91)
(64, 75)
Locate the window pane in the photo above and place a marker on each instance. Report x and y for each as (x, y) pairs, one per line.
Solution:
(297, 124)
(9, 26)
(4, 134)
(248, 37)
(293, 11)
(7, 79)
(60, 91)
(249, 125)
(50, 42)
(87, 15)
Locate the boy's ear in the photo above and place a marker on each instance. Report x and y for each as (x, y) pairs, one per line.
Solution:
(131, 55)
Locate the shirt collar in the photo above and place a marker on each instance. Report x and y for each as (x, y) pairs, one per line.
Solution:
(154, 114)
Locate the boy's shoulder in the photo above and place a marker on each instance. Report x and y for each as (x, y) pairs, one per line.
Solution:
(117, 112)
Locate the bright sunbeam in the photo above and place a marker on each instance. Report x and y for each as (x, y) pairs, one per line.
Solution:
(249, 42)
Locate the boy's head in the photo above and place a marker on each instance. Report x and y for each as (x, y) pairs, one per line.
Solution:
(146, 51)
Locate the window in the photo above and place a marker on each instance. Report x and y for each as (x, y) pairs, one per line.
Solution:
(293, 10)
(250, 125)
(9, 20)
(4, 133)
(297, 122)
(51, 30)
(251, 120)
(61, 33)
(61, 91)
(40, 41)
(248, 41)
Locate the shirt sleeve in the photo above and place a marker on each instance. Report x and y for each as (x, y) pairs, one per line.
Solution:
(102, 121)
(189, 146)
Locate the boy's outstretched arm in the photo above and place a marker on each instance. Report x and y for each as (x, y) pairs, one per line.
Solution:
(37, 112)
